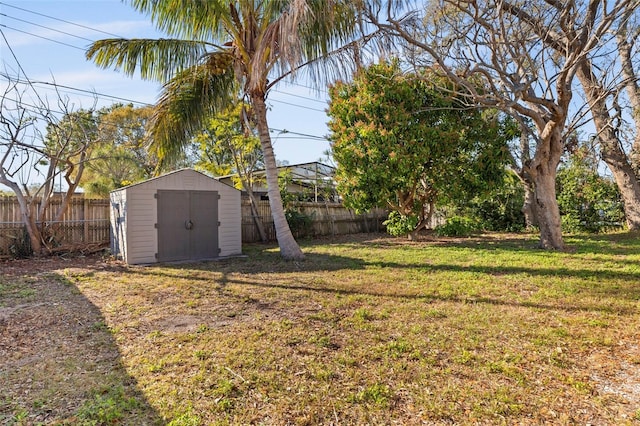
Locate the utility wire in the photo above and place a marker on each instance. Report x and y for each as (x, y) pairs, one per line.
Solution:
(42, 37)
(45, 27)
(19, 65)
(37, 110)
(285, 131)
(297, 105)
(324, 102)
(75, 89)
(58, 19)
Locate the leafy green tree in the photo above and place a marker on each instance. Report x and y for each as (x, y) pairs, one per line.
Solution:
(220, 48)
(120, 156)
(401, 141)
(588, 201)
(229, 145)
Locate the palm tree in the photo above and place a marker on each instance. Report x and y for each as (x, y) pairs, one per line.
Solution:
(220, 49)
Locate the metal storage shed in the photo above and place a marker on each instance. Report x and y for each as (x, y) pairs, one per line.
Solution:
(183, 215)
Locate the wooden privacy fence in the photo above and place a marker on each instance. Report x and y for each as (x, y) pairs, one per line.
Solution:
(86, 222)
(325, 219)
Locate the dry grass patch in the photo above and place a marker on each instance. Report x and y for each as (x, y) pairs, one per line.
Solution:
(371, 330)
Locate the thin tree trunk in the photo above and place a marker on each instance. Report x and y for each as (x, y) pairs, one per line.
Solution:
(253, 202)
(612, 153)
(289, 248)
(33, 232)
(256, 214)
(529, 206)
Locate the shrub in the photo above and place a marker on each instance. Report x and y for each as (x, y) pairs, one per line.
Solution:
(398, 224)
(457, 226)
(588, 202)
(500, 209)
(300, 223)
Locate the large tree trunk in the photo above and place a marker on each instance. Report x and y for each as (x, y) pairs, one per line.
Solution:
(612, 153)
(547, 211)
(543, 170)
(289, 248)
(625, 179)
(626, 41)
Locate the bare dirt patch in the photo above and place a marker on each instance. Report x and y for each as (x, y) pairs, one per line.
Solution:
(60, 364)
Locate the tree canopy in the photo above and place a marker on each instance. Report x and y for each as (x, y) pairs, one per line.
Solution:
(404, 140)
(120, 156)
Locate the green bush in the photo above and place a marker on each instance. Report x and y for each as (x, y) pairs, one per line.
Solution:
(500, 209)
(588, 202)
(300, 223)
(398, 224)
(457, 226)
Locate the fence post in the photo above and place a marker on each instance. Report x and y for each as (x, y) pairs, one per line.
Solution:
(85, 213)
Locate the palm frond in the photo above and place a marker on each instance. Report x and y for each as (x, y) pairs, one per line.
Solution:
(191, 97)
(326, 38)
(156, 59)
(190, 19)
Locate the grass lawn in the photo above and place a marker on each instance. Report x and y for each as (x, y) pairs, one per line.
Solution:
(367, 330)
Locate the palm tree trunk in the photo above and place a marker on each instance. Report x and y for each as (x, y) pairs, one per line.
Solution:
(289, 248)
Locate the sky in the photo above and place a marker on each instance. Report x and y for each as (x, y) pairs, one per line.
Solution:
(46, 41)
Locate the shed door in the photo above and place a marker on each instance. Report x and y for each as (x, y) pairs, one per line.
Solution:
(187, 225)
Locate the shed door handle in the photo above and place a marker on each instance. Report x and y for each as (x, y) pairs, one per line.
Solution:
(188, 224)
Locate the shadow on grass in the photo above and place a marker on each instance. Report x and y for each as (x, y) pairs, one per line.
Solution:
(427, 297)
(60, 362)
(600, 284)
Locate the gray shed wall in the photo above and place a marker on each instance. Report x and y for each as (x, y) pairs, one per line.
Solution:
(137, 239)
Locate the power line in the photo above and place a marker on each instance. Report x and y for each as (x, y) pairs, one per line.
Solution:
(58, 19)
(42, 37)
(75, 89)
(18, 63)
(102, 95)
(285, 131)
(35, 109)
(300, 96)
(45, 27)
(297, 105)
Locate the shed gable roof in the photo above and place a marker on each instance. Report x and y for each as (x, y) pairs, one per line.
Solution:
(185, 172)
